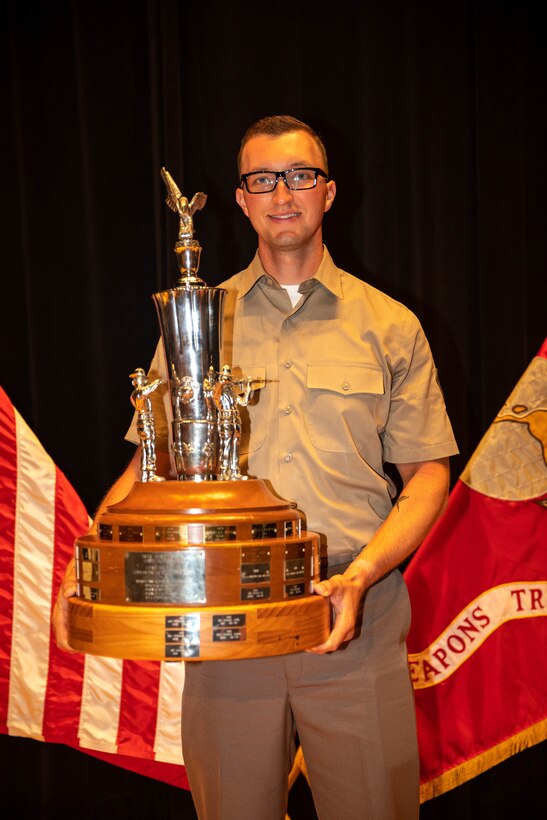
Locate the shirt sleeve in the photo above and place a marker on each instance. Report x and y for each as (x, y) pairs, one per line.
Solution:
(418, 427)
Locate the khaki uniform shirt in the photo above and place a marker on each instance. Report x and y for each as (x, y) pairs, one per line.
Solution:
(348, 383)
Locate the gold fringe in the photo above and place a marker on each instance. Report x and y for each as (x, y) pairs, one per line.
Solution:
(481, 763)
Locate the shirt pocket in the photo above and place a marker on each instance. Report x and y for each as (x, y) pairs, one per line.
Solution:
(253, 417)
(346, 407)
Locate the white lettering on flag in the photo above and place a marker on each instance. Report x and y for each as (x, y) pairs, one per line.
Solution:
(473, 625)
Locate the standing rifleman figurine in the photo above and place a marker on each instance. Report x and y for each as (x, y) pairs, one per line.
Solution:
(145, 422)
(227, 400)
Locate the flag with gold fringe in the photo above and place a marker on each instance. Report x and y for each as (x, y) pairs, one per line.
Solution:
(124, 712)
(478, 587)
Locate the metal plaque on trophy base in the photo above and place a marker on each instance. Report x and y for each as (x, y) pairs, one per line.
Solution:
(212, 566)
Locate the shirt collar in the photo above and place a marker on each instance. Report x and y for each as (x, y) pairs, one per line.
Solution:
(327, 275)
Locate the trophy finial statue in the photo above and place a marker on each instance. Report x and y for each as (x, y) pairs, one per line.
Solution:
(180, 205)
(187, 248)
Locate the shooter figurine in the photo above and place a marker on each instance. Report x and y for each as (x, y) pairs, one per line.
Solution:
(227, 399)
(146, 428)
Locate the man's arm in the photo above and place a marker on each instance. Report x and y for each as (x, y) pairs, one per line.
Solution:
(117, 492)
(422, 500)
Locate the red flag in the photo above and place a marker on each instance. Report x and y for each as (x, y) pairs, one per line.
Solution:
(478, 587)
(125, 712)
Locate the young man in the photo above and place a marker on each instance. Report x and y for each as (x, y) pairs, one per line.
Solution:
(349, 384)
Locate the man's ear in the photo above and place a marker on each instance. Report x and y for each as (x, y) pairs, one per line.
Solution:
(331, 193)
(240, 199)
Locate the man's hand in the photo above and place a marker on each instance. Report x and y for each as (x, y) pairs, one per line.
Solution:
(345, 593)
(59, 621)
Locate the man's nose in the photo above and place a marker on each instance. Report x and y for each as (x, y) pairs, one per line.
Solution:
(281, 193)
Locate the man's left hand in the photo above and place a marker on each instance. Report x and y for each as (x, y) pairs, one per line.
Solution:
(345, 592)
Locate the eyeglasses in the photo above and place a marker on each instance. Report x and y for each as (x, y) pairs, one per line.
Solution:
(296, 179)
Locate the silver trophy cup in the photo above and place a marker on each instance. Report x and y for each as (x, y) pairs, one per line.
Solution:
(190, 318)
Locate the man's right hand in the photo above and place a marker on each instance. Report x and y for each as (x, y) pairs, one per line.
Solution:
(59, 621)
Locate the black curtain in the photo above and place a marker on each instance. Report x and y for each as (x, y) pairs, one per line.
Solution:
(434, 118)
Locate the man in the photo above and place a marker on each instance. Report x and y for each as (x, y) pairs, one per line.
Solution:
(349, 384)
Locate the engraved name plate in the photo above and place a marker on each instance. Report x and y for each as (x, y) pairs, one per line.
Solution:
(220, 533)
(295, 561)
(130, 534)
(255, 573)
(90, 571)
(105, 532)
(255, 565)
(174, 636)
(252, 555)
(295, 568)
(171, 534)
(291, 528)
(294, 590)
(229, 627)
(265, 530)
(91, 593)
(165, 577)
(90, 554)
(182, 636)
(195, 533)
(255, 593)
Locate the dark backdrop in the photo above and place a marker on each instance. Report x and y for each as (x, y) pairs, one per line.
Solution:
(434, 118)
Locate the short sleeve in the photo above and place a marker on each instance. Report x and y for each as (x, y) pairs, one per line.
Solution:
(418, 427)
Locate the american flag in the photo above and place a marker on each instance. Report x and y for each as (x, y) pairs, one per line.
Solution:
(125, 712)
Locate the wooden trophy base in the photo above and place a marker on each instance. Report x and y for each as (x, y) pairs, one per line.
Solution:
(198, 571)
(196, 634)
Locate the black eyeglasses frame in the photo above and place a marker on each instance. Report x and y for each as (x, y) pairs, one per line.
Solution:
(282, 175)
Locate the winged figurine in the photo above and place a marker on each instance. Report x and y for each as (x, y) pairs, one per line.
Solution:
(180, 205)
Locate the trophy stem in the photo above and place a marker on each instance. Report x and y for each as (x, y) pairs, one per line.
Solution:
(188, 253)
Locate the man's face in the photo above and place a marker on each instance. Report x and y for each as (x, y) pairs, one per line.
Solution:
(285, 220)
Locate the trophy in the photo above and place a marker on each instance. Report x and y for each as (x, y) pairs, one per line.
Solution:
(213, 565)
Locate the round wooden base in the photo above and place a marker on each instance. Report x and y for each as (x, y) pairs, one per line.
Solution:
(198, 633)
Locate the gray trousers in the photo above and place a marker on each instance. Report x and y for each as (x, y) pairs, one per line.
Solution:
(353, 710)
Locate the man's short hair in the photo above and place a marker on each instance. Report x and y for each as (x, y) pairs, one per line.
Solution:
(276, 126)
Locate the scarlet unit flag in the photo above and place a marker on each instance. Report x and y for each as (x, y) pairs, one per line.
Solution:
(125, 712)
(478, 586)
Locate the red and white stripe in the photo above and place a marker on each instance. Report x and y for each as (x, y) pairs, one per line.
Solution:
(127, 712)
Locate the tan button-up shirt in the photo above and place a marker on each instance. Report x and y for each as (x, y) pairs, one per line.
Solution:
(348, 383)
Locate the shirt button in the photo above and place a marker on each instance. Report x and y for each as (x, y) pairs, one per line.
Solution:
(287, 363)
(345, 385)
(288, 457)
(288, 410)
